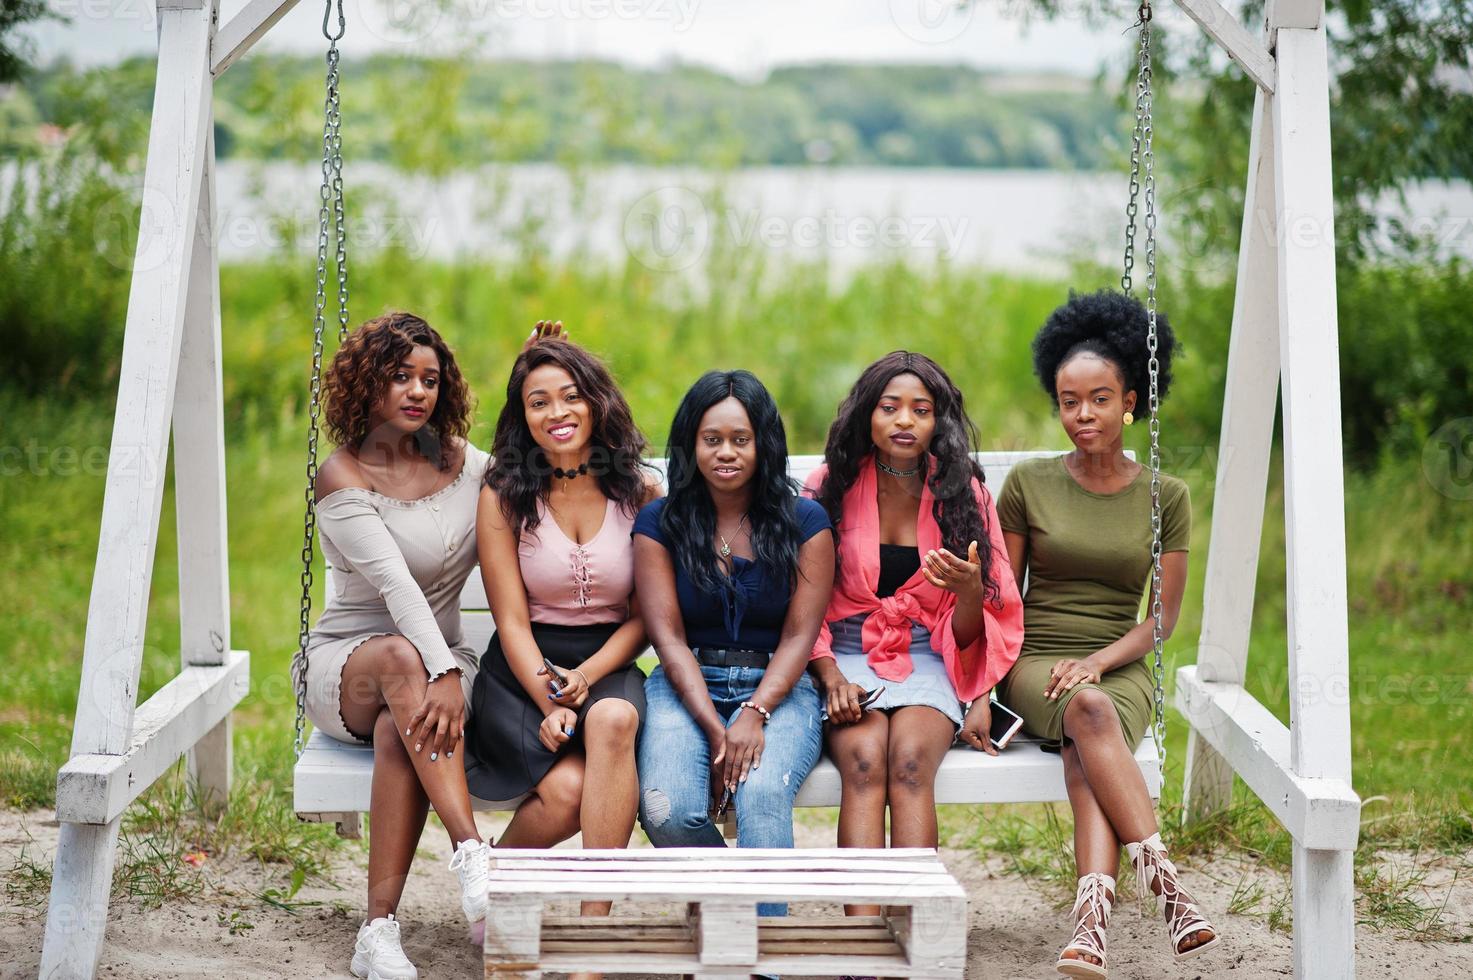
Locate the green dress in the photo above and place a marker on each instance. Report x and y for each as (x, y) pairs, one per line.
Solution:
(1089, 567)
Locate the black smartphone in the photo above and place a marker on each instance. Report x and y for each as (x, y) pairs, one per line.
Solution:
(865, 700)
(1005, 724)
(556, 679)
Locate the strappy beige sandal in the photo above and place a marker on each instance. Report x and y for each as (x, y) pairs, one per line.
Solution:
(1183, 916)
(1092, 903)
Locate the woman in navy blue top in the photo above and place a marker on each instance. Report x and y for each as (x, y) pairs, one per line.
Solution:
(733, 570)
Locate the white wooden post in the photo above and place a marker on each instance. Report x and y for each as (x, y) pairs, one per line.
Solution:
(1244, 451)
(199, 481)
(117, 611)
(1314, 486)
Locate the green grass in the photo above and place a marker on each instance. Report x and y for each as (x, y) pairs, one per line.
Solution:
(1410, 548)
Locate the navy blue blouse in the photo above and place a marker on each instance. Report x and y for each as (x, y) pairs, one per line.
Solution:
(749, 617)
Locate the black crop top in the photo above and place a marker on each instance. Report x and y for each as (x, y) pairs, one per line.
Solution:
(898, 562)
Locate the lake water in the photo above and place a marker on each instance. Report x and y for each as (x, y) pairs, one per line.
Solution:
(673, 219)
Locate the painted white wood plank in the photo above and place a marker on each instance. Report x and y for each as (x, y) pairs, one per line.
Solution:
(715, 862)
(1245, 447)
(199, 492)
(935, 935)
(726, 933)
(1247, 50)
(695, 880)
(76, 917)
(1306, 14)
(118, 608)
(237, 35)
(199, 449)
(1323, 883)
(664, 964)
(96, 788)
(1314, 480)
(1318, 812)
(513, 936)
(1244, 453)
(618, 891)
(753, 854)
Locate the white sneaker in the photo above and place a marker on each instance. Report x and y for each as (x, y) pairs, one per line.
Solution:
(378, 955)
(472, 865)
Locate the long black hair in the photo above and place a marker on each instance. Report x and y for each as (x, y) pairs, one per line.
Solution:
(952, 443)
(689, 517)
(521, 474)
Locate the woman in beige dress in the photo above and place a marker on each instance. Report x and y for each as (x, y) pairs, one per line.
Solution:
(387, 663)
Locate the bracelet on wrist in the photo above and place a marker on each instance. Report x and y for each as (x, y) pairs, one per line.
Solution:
(766, 715)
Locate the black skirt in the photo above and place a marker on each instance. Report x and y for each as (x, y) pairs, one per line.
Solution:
(504, 758)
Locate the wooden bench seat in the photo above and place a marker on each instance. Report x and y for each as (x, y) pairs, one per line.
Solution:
(333, 780)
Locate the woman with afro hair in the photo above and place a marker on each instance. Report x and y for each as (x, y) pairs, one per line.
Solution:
(387, 662)
(1078, 526)
(924, 604)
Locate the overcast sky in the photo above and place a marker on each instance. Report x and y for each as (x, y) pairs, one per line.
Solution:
(741, 37)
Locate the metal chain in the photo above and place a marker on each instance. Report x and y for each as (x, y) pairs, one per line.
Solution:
(1131, 208)
(1142, 158)
(330, 199)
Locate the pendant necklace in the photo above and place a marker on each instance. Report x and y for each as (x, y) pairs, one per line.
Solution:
(725, 549)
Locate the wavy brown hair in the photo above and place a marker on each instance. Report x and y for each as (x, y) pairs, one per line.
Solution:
(359, 377)
(520, 472)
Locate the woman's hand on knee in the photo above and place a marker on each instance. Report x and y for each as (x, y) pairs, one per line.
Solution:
(439, 722)
(745, 741)
(557, 728)
(1067, 674)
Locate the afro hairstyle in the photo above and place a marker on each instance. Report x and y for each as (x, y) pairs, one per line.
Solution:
(1113, 326)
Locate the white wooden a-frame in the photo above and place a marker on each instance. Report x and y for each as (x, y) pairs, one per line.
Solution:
(1284, 327)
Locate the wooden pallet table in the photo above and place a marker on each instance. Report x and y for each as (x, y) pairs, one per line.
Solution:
(923, 933)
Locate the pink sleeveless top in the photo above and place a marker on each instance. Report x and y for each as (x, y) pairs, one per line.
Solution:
(578, 585)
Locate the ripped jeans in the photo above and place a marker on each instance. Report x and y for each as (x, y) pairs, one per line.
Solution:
(675, 764)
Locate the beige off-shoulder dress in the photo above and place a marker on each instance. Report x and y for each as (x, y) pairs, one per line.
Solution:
(398, 568)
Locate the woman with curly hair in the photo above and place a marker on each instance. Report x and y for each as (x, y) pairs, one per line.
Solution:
(734, 569)
(1079, 527)
(925, 605)
(386, 662)
(553, 534)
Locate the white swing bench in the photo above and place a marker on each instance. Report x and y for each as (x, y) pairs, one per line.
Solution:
(333, 780)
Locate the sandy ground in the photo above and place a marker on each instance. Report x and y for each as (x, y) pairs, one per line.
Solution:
(1016, 926)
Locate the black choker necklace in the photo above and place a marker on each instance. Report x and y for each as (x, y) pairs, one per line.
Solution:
(563, 474)
(885, 468)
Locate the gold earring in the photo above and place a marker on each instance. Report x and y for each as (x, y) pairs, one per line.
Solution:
(1129, 418)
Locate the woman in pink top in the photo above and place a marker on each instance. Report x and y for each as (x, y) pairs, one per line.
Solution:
(924, 605)
(553, 532)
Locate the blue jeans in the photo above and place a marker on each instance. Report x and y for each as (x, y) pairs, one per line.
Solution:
(675, 764)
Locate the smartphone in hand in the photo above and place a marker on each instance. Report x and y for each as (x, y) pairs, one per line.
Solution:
(1005, 724)
(556, 679)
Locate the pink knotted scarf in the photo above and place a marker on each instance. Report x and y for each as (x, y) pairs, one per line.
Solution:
(974, 670)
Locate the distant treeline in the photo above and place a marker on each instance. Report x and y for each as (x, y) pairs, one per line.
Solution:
(433, 115)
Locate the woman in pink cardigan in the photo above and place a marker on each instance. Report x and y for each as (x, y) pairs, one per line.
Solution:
(925, 604)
